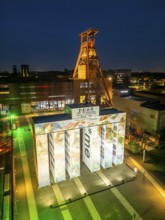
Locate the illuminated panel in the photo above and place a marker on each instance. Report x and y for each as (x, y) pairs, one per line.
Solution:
(72, 147)
(57, 156)
(42, 160)
(91, 148)
(82, 72)
(106, 145)
(118, 143)
(84, 117)
(120, 146)
(51, 154)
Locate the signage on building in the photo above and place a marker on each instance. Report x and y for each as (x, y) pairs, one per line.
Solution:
(92, 111)
(91, 148)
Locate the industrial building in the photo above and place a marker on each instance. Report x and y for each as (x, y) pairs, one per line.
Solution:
(143, 113)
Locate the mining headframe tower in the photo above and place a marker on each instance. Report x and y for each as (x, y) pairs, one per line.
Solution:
(90, 86)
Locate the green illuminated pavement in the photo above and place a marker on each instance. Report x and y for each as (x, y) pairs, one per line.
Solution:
(90, 196)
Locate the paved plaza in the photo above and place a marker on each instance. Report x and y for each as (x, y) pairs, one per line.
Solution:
(90, 183)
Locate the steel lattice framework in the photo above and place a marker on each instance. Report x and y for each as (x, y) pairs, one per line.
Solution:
(88, 68)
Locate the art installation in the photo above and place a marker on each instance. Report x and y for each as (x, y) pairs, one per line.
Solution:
(84, 131)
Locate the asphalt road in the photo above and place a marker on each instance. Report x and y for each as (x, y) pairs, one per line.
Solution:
(135, 199)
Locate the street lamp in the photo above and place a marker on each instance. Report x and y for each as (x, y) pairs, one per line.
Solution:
(12, 125)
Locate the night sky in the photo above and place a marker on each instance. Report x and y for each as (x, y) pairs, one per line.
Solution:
(45, 33)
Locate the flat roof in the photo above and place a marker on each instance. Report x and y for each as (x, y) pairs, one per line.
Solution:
(65, 116)
(108, 111)
(156, 93)
(138, 98)
(156, 106)
(50, 118)
(81, 105)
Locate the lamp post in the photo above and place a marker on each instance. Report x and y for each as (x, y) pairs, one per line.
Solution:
(144, 153)
(144, 147)
(12, 125)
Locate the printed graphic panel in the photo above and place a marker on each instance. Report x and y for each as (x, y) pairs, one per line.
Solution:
(118, 143)
(49, 127)
(59, 156)
(91, 148)
(51, 154)
(72, 143)
(42, 160)
(106, 145)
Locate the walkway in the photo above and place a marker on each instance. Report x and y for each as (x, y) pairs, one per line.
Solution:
(28, 184)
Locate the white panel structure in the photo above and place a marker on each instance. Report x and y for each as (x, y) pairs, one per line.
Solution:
(102, 137)
(118, 143)
(91, 148)
(51, 154)
(115, 142)
(72, 150)
(57, 156)
(42, 160)
(106, 146)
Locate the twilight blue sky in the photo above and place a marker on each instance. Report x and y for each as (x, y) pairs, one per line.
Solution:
(45, 33)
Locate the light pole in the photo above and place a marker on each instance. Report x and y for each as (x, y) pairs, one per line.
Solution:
(144, 147)
(12, 125)
(144, 153)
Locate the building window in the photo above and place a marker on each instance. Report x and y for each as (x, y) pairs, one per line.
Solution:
(152, 116)
(134, 114)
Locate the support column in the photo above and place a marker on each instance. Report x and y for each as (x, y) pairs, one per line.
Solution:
(118, 143)
(42, 164)
(106, 146)
(72, 151)
(91, 148)
(57, 156)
